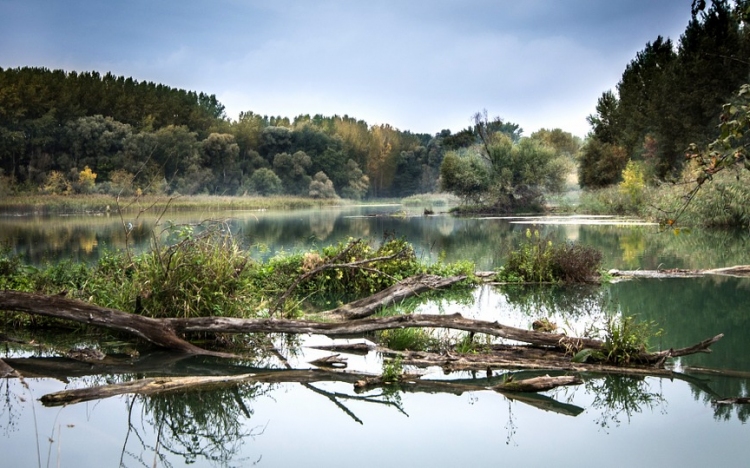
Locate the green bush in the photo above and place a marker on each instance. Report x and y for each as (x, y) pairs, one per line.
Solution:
(538, 260)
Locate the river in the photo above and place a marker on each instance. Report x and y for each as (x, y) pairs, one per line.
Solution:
(610, 420)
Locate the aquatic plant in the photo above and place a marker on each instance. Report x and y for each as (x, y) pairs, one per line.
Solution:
(539, 260)
(393, 369)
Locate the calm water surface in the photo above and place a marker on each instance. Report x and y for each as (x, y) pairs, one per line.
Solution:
(613, 420)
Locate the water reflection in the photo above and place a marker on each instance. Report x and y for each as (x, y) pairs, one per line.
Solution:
(211, 425)
(483, 241)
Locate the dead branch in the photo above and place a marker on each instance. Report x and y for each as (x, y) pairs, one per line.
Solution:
(404, 289)
(738, 271)
(733, 401)
(333, 361)
(360, 349)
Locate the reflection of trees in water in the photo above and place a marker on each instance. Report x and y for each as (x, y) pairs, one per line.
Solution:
(691, 309)
(323, 223)
(618, 397)
(12, 406)
(725, 387)
(213, 425)
(573, 300)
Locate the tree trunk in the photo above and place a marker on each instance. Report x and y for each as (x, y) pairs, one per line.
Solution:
(537, 384)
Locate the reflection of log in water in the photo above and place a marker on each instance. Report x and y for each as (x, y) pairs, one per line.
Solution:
(160, 385)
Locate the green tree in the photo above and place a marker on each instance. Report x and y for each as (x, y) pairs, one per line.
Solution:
(358, 183)
(601, 164)
(292, 171)
(322, 187)
(264, 182)
(221, 155)
(465, 175)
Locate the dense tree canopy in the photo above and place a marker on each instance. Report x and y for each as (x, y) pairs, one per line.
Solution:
(670, 96)
(140, 136)
(505, 170)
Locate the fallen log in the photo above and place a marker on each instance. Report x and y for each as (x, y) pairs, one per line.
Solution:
(737, 271)
(537, 384)
(164, 332)
(156, 331)
(148, 386)
(6, 370)
(360, 349)
(733, 401)
(404, 289)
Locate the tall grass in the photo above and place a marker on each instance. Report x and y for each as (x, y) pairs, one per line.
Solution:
(206, 273)
(97, 203)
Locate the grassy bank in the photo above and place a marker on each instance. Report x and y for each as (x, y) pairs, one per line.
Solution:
(70, 204)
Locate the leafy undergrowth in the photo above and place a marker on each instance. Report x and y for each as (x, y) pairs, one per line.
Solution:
(208, 274)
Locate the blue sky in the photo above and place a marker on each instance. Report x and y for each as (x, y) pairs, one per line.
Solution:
(420, 65)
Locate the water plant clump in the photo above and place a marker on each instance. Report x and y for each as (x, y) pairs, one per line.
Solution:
(393, 369)
(625, 341)
(539, 260)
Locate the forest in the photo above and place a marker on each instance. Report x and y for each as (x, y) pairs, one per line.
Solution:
(68, 132)
(669, 97)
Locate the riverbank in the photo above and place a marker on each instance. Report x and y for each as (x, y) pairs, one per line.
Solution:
(78, 204)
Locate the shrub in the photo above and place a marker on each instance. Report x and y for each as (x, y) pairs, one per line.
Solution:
(538, 260)
(613, 201)
(575, 263)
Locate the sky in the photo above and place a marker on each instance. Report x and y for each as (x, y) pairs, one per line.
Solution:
(418, 65)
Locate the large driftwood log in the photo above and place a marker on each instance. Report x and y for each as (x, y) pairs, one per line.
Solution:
(738, 271)
(165, 332)
(398, 292)
(537, 384)
(160, 385)
(156, 331)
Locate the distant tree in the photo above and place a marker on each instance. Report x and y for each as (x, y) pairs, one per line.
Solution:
(221, 155)
(517, 173)
(605, 122)
(462, 139)
(86, 180)
(57, 184)
(322, 187)
(177, 151)
(465, 175)
(564, 143)
(264, 182)
(275, 140)
(97, 142)
(292, 171)
(358, 183)
(601, 164)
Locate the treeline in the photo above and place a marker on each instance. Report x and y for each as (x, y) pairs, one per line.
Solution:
(669, 96)
(68, 132)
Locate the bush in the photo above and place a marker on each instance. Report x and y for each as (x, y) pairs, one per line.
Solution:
(539, 260)
(575, 263)
(613, 201)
